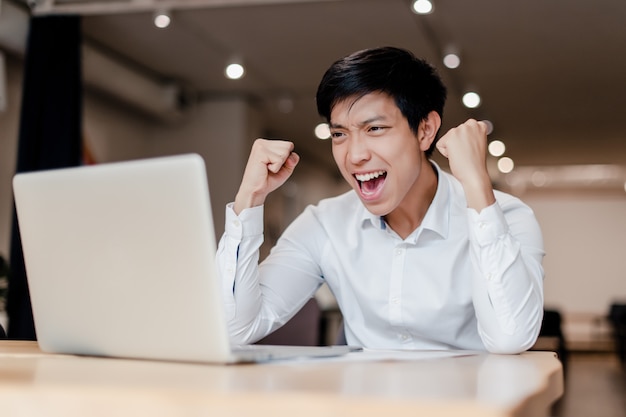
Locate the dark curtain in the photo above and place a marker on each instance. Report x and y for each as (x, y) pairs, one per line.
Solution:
(49, 135)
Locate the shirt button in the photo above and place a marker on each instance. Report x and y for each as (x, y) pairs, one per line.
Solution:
(482, 225)
(395, 300)
(399, 251)
(489, 276)
(236, 223)
(404, 336)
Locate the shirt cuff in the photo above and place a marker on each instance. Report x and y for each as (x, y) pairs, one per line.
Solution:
(488, 225)
(248, 223)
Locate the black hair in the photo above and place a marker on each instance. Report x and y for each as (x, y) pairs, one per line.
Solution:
(414, 85)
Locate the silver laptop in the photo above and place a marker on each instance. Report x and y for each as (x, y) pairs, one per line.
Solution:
(120, 262)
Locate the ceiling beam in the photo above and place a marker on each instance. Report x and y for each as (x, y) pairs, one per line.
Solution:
(86, 7)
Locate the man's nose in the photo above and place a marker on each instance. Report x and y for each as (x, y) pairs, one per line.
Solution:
(358, 151)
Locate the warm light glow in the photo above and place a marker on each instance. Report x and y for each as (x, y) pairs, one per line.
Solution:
(471, 100)
(505, 165)
(539, 178)
(234, 71)
(422, 6)
(489, 125)
(322, 131)
(496, 148)
(452, 61)
(162, 20)
(600, 176)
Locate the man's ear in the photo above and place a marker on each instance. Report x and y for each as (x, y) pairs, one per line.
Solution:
(428, 130)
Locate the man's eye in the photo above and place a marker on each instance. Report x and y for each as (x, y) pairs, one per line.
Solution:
(336, 134)
(377, 128)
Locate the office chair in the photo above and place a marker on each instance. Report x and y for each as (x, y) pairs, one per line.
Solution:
(551, 326)
(4, 273)
(303, 329)
(341, 336)
(617, 317)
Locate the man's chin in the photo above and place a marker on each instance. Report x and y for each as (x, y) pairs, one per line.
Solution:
(377, 209)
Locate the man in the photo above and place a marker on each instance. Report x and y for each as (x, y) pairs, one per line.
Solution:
(416, 258)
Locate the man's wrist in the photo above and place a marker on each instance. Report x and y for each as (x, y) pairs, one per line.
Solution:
(479, 194)
(247, 200)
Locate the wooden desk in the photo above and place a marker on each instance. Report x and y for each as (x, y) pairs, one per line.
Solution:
(36, 384)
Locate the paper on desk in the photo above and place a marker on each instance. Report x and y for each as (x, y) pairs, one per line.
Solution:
(387, 355)
(410, 355)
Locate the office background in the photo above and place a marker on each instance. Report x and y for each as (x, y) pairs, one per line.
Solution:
(551, 77)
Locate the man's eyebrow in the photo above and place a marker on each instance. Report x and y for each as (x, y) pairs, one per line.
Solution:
(360, 124)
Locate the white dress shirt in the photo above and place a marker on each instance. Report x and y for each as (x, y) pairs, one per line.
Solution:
(461, 280)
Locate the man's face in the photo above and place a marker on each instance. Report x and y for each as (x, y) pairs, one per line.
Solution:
(376, 151)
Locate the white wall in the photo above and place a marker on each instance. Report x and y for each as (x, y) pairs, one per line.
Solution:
(585, 240)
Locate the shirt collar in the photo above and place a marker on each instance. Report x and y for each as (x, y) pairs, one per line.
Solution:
(437, 217)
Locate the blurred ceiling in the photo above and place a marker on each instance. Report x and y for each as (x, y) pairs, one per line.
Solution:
(552, 74)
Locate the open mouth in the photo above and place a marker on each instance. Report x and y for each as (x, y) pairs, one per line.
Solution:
(371, 182)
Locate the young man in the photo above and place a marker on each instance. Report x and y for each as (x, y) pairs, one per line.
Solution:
(416, 258)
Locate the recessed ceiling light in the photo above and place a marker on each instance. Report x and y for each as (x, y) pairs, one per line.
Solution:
(539, 178)
(422, 6)
(322, 131)
(451, 60)
(489, 125)
(471, 100)
(496, 148)
(505, 165)
(234, 71)
(162, 19)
